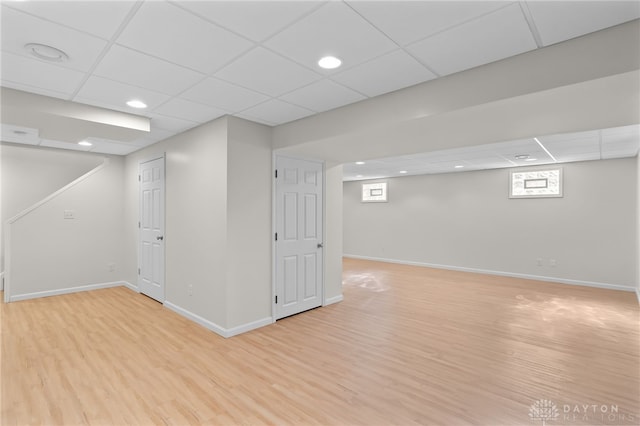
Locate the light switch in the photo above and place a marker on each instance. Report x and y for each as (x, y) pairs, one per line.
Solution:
(69, 214)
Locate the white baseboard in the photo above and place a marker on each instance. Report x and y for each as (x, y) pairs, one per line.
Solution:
(131, 286)
(234, 331)
(27, 296)
(638, 295)
(332, 300)
(196, 318)
(224, 332)
(499, 273)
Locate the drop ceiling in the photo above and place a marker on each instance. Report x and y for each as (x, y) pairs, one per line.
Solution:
(604, 144)
(195, 61)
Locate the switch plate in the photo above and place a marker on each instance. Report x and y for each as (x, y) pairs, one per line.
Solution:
(69, 214)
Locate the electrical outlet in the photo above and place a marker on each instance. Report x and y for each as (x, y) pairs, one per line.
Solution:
(190, 289)
(111, 267)
(539, 261)
(553, 263)
(69, 214)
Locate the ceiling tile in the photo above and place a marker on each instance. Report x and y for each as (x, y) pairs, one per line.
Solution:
(276, 75)
(130, 67)
(322, 95)
(35, 73)
(557, 21)
(621, 134)
(276, 112)
(112, 94)
(223, 95)
(492, 37)
(19, 29)
(187, 110)
(409, 21)
(385, 74)
(171, 124)
(171, 33)
(334, 29)
(256, 20)
(100, 18)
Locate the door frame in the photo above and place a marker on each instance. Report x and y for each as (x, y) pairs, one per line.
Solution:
(163, 156)
(274, 221)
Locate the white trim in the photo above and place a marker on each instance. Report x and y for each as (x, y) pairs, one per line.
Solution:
(332, 300)
(499, 273)
(131, 286)
(224, 332)
(62, 291)
(234, 331)
(638, 295)
(196, 318)
(1, 280)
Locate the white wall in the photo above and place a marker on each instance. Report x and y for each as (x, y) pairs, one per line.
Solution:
(466, 220)
(48, 254)
(195, 219)
(249, 260)
(333, 234)
(218, 222)
(29, 174)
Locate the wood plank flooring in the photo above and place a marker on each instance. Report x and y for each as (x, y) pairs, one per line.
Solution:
(407, 346)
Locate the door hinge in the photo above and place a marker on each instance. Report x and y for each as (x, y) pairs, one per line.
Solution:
(138, 271)
(276, 299)
(276, 236)
(139, 178)
(138, 224)
(276, 173)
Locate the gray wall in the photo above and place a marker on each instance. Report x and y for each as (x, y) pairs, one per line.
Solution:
(466, 220)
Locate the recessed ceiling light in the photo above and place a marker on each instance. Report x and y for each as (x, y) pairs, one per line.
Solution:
(358, 175)
(359, 163)
(329, 62)
(459, 166)
(531, 159)
(522, 156)
(46, 53)
(19, 132)
(403, 172)
(135, 103)
(85, 143)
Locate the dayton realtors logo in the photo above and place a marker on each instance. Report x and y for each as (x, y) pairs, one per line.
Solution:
(543, 410)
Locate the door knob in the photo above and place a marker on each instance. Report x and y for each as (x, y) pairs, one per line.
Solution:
(320, 245)
(160, 238)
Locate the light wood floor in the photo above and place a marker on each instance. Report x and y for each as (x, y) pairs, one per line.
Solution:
(407, 346)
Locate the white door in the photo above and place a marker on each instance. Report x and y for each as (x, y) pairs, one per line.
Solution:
(299, 260)
(151, 224)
